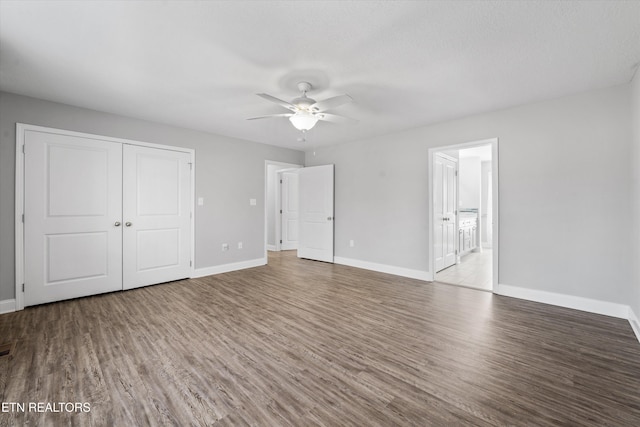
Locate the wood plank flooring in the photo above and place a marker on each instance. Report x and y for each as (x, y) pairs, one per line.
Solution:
(303, 343)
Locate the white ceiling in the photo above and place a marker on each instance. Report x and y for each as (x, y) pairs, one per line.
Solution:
(199, 64)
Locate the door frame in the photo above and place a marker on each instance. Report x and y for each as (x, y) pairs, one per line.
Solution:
(284, 166)
(21, 128)
(494, 205)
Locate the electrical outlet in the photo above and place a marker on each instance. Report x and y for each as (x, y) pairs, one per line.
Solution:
(352, 243)
(239, 245)
(225, 247)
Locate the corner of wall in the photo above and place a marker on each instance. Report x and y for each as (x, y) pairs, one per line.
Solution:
(589, 305)
(7, 306)
(577, 303)
(635, 323)
(635, 121)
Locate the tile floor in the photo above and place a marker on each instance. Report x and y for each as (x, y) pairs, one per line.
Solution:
(474, 271)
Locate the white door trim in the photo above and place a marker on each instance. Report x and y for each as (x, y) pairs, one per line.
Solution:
(21, 128)
(266, 204)
(495, 201)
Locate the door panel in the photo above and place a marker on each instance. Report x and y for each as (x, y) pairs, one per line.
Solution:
(450, 225)
(438, 212)
(149, 242)
(156, 196)
(64, 250)
(316, 213)
(72, 196)
(290, 212)
(444, 212)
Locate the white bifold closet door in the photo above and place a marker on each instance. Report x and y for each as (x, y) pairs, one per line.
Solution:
(102, 216)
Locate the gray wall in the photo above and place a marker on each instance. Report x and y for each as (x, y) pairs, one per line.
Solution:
(635, 304)
(564, 190)
(228, 173)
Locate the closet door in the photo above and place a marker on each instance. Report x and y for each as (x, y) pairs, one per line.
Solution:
(73, 208)
(156, 215)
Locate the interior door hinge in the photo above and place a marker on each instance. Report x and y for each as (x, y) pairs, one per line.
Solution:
(23, 218)
(190, 263)
(190, 165)
(280, 181)
(23, 287)
(280, 241)
(23, 152)
(280, 210)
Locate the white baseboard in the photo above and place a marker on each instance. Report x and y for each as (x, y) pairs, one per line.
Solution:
(383, 268)
(7, 306)
(635, 323)
(225, 268)
(272, 248)
(569, 301)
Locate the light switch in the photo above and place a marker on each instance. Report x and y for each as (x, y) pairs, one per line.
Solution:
(252, 202)
(200, 201)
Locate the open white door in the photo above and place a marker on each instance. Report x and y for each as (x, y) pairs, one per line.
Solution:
(156, 214)
(289, 210)
(73, 214)
(444, 211)
(315, 232)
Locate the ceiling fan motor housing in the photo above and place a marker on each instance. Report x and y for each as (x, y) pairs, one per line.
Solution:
(303, 102)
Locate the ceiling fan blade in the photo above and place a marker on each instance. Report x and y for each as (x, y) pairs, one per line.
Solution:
(330, 103)
(285, 104)
(335, 118)
(270, 116)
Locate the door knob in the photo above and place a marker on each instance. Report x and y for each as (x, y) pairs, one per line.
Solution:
(329, 218)
(117, 223)
(128, 224)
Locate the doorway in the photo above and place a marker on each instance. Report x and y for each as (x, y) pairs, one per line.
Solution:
(273, 206)
(299, 210)
(464, 214)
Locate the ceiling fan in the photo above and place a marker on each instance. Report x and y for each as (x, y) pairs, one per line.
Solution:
(305, 111)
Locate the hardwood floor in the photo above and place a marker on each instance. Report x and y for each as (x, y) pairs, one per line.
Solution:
(306, 343)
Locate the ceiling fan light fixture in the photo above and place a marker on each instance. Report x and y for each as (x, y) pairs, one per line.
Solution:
(303, 120)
